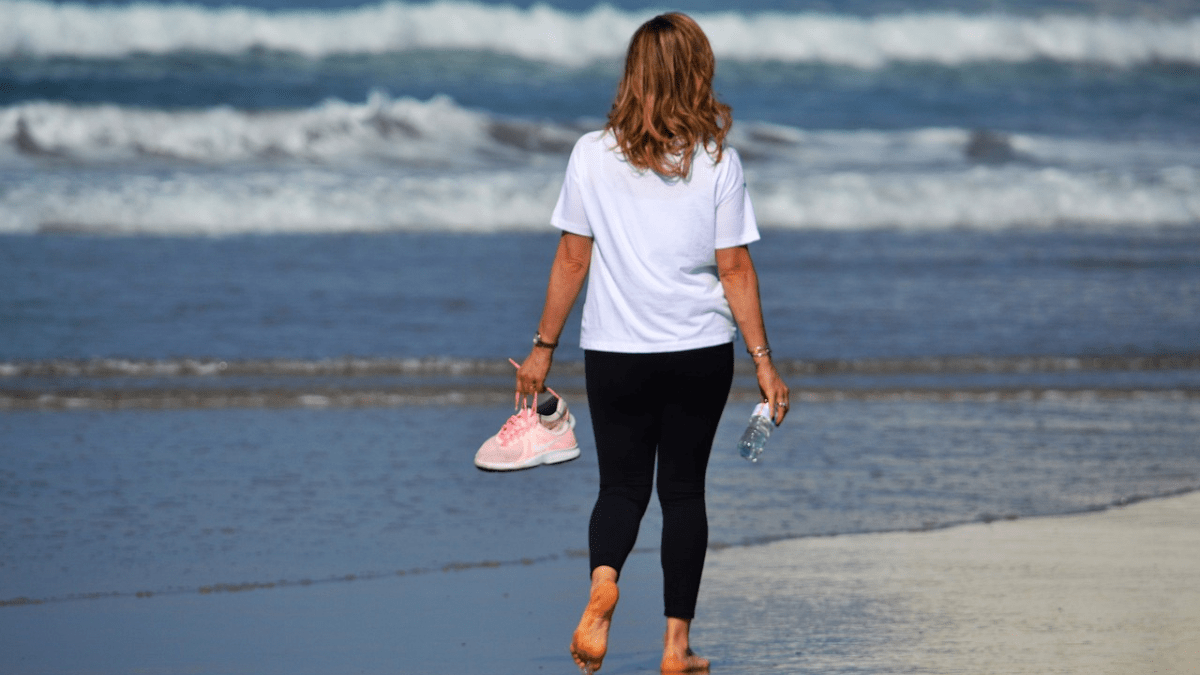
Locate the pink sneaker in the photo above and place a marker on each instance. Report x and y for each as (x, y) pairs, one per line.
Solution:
(528, 439)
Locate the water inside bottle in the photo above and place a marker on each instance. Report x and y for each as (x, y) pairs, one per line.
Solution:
(754, 438)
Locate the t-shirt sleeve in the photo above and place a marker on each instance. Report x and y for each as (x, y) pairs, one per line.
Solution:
(736, 224)
(569, 213)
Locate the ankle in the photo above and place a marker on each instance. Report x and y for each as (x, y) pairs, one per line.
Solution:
(677, 636)
(603, 574)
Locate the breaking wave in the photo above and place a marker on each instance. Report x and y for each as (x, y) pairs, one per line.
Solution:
(427, 134)
(40, 29)
(403, 164)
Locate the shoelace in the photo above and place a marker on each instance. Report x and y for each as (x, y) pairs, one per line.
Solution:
(517, 425)
(525, 416)
(522, 401)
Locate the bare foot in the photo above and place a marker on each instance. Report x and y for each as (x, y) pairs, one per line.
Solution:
(683, 662)
(590, 643)
(678, 656)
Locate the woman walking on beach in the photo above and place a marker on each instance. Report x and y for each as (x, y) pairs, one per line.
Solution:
(654, 208)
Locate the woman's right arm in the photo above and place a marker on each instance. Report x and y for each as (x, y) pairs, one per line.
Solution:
(567, 275)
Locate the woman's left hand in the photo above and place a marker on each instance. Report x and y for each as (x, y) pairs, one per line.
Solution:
(773, 389)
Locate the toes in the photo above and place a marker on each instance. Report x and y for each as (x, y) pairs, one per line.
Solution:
(586, 666)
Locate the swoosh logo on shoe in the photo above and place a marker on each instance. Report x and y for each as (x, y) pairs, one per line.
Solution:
(539, 449)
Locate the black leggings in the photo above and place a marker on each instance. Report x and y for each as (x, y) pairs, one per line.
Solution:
(643, 403)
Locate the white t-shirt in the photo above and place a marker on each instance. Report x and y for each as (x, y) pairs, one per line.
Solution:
(653, 283)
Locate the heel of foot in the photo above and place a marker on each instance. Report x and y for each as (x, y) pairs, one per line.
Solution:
(590, 642)
(604, 598)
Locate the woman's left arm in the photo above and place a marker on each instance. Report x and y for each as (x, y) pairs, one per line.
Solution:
(567, 275)
(740, 281)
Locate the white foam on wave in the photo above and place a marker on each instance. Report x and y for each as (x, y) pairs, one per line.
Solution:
(329, 200)
(272, 202)
(403, 164)
(424, 133)
(40, 28)
(826, 151)
(988, 198)
(943, 178)
(439, 134)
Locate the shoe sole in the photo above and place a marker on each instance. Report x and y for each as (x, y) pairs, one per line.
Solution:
(556, 457)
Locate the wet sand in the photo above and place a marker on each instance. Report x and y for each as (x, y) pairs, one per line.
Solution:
(1116, 591)
(1110, 592)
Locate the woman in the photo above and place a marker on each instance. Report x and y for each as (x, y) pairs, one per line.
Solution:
(654, 208)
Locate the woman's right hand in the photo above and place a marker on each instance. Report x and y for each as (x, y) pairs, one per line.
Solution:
(773, 389)
(531, 375)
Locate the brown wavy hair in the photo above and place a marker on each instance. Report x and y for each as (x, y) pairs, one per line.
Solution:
(665, 104)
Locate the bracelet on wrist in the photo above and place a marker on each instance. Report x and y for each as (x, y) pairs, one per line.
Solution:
(539, 342)
(759, 352)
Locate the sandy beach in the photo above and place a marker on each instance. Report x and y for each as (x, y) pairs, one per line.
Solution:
(1109, 592)
(1116, 591)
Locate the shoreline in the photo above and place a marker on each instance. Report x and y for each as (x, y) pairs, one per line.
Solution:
(457, 566)
(1110, 591)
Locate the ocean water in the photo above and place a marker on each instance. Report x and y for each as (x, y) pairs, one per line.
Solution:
(224, 118)
(253, 256)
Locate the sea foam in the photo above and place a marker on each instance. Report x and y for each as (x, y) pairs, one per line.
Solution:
(40, 29)
(187, 202)
(405, 164)
(425, 133)
(439, 134)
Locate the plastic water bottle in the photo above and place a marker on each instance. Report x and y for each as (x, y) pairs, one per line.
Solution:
(756, 434)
